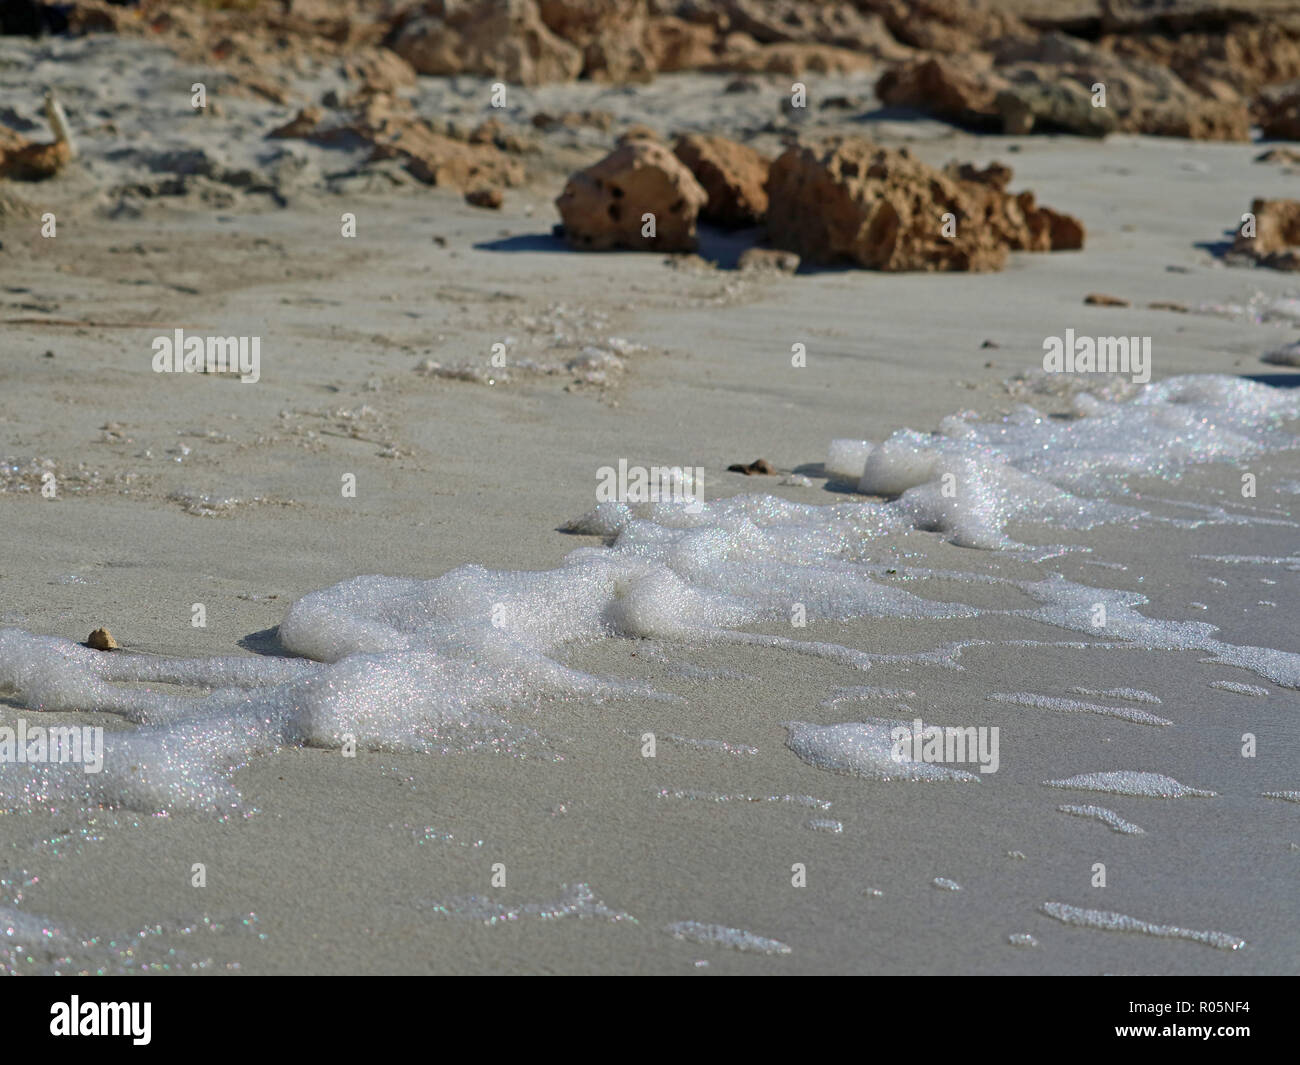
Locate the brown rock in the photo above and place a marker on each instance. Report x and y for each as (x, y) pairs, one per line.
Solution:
(31, 161)
(495, 132)
(847, 199)
(1278, 112)
(602, 206)
(394, 131)
(1168, 305)
(1100, 299)
(947, 26)
(673, 44)
(1196, 119)
(101, 640)
(795, 60)
(959, 89)
(504, 39)
(1026, 82)
(486, 196)
(301, 126)
(610, 34)
(601, 120)
(733, 175)
(1286, 156)
(1277, 234)
(378, 70)
(758, 466)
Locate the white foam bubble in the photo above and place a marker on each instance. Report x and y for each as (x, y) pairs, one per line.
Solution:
(576, 901)
(722, 936)
(865, 749)
(865, 691)
(1118, 922)
(1075, 706)
(1132, 782)
(1238, 688)
(717, 746)
(1107, 817)
(1132, 695)
(810, 801)
(847, 458)
(944, 884)
(1288, 796)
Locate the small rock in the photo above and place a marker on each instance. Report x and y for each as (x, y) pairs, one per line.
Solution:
(101, 640)
(760, 466)
(488, 196)
(1287, 356)
(768, 260)
(990, 344)
(1100, 299)
(1280, 155)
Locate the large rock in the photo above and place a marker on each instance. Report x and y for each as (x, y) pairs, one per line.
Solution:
(603, 207)
(733, 175)
(1052, 106)
(849, 200)
(611, 34)
(504, 39)
(674, 44)
(962, 90)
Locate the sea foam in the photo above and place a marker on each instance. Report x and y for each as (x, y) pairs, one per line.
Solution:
(438, 665)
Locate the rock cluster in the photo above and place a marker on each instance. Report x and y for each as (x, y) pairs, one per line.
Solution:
(1191, 68)
(844, 200)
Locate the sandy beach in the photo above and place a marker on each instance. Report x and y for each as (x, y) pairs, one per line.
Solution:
(182, 489)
